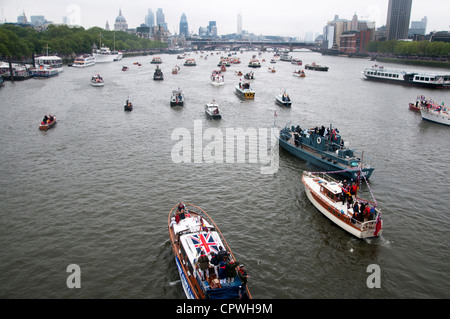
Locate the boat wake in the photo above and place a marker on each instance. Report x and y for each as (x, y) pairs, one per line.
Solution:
(173, 283)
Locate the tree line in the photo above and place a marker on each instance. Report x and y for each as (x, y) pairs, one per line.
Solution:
(21, 42)
(411, 48)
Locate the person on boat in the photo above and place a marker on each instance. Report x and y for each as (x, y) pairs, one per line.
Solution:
(231, 270)
(45, 119)
(356, 210)
(242, 273)
(222, 273)
(222, 254)
(215, 262)
(203, 262)
(367, 212)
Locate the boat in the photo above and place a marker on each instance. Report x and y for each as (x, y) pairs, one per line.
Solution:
(254, 63)
(47, 123)
(273, 61)
(177, 98)
(20, 72)
(357, 216)
(217, 78)
(296, 61)
(190, 62)
(83, 61)
(285, 57)
(49, 62)
(421, 101)
(238, 73)
(299, 73)
(436, 113)
(158, 75)
(156, 60)
(97, 80)
(244, 90)
(128, 106)
(223, 68)
(429, 80)
(193, 234)
(125, 68)
(316, 67)
(212, 110)
(42, 72)
(283, 99)
(176, 69)
(324, 148)
(272, 70)
(249, 76)
(106, 55)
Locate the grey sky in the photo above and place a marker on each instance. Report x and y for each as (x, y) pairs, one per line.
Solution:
(282, 17)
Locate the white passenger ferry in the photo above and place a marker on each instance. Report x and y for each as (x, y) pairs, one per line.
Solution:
(49, 62)
(432, 80)
(83, 61)
(106, 55)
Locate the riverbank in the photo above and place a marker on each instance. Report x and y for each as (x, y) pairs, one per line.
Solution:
(427, 63)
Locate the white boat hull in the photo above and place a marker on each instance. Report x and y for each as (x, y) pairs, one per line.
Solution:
(435, 116)
(103, 58)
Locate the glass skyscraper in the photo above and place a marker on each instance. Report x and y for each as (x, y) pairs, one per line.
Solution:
(397, 24)
(184, 27)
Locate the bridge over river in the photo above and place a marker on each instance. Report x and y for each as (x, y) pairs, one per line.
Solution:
(259, 45)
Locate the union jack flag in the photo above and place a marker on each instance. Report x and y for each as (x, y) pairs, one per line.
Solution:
(206, 242)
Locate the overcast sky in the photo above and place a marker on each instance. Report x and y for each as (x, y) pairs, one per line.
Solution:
(263, 17)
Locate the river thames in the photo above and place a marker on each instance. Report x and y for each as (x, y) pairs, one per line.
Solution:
(96, 190)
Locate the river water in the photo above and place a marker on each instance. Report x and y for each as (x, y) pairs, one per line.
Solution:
(96, 190)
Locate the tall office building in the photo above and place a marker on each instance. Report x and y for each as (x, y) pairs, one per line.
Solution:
(184, 27)
(418, 27)
(239, 24)
(150, 18)
(399, 14)
(212, 28)
(160, 19)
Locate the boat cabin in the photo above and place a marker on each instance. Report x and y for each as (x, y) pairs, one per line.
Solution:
(331, 190)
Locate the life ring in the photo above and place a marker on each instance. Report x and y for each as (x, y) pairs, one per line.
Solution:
(319, 140)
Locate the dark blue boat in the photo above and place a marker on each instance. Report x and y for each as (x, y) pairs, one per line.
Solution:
(324, 148)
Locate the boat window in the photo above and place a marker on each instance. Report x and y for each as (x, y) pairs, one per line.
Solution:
(422, 78)
(427, 79)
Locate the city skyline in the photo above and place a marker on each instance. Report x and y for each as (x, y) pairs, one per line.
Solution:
(262, 19)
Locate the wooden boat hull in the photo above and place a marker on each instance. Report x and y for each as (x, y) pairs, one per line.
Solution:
(186, 231)
(338, 212)
(45, 127)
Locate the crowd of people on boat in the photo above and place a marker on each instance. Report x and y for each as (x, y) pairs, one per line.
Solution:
(97, 78)
(285, 97)
(244, 86)
(362, 211)
(217, 76)
(429, 104)
(47, 119)
(327, 134)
